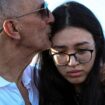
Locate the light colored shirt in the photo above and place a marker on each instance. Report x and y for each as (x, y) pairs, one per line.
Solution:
(10, 94)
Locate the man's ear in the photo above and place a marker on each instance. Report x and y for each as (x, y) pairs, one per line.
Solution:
(10, 30)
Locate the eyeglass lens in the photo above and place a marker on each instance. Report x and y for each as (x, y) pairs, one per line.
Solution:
(63, 58)
(44, 11)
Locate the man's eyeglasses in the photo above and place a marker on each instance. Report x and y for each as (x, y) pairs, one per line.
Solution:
(43, 11)
(82, 56)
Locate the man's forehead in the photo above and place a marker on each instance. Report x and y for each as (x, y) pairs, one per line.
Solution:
(23, 6)
(34, 3)
(38, 2)
(28, 5)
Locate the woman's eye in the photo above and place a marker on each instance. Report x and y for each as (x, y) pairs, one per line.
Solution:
(80, 51)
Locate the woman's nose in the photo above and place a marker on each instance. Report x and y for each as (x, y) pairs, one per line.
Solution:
(73, 61)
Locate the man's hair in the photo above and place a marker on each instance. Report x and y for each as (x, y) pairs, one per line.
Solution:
(9, 9)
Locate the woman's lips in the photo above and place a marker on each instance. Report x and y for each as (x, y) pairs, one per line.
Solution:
(74, 73)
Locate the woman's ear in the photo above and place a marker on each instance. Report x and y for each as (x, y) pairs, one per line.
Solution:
(10, 30)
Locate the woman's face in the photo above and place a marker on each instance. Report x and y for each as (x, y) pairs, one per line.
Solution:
(80, 46)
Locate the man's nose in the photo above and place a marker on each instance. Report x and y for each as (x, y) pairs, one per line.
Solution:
(73, 61)
(51, 18)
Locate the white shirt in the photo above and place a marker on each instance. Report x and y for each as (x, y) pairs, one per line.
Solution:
(10, 94)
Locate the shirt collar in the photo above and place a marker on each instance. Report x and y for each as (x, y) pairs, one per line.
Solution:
(4, 82)
(27, 76)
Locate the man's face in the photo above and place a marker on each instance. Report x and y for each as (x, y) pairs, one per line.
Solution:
(34, 28)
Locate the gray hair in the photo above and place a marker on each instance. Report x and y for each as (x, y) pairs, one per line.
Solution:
(9, 9)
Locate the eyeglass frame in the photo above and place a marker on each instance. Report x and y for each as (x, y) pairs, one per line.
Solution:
(74, 55)
(36, 10)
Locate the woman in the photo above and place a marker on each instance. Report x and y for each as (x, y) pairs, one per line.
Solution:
(69, 72)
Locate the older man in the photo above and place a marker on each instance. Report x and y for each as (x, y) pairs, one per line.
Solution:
(24, 30)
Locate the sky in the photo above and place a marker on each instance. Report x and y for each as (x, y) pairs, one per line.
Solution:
(96, 6)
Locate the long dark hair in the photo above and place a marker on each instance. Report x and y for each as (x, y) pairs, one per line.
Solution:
(53, 88)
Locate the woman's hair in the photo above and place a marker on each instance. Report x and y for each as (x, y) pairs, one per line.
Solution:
(53, 88)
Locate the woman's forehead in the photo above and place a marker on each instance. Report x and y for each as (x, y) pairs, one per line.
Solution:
(73, 36)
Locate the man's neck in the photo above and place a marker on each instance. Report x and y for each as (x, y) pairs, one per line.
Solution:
(13, 63)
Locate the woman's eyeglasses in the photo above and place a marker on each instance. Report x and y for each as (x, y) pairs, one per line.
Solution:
(82, 56)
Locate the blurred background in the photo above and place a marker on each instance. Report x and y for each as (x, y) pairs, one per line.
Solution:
(97, 6)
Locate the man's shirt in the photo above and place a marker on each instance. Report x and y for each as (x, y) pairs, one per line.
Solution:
(10, 94)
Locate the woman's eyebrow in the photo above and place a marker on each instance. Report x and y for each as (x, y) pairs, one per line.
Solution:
(82, 43)
(59, 46)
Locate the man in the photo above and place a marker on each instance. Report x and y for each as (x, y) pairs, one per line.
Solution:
(24, 31)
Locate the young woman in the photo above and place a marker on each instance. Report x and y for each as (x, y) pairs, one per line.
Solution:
(69, 72)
